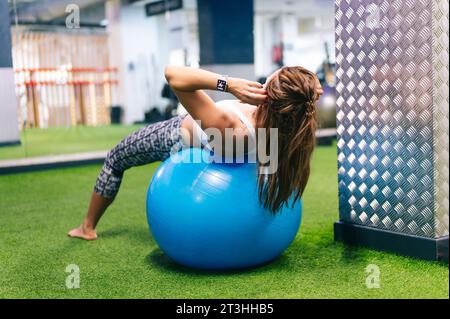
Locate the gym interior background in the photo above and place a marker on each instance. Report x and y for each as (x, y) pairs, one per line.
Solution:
(110, 66)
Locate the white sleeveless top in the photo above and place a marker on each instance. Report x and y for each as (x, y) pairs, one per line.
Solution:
(231, 106)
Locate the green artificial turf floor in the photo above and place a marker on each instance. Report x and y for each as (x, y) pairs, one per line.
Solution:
(37, 209)
(55, 141)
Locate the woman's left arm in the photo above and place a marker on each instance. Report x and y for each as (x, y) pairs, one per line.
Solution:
(187, 79)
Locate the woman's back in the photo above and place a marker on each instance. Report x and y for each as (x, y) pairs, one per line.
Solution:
(242, 134)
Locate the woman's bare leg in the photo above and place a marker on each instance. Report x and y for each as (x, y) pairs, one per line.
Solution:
(97, 207)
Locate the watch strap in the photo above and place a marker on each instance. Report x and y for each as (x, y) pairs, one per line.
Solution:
(222, 83)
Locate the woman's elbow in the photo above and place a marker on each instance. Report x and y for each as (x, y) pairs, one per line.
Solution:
(171, 73)
(168, 73)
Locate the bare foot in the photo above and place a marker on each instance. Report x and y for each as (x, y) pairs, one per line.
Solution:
(83, 233)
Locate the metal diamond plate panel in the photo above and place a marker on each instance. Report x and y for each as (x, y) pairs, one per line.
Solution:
(391, 171)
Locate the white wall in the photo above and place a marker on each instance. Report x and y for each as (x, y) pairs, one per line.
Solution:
(149, 44)
(275, 20)
(308, 49)
(267, 31)
(140, 50)
(9, 125)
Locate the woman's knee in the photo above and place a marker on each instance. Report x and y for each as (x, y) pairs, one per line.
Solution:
(113, 161)
(108, 182)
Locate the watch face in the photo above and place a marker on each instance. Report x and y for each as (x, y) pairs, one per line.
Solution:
(221, 85)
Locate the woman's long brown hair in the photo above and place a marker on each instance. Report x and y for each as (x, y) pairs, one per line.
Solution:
(290, 107)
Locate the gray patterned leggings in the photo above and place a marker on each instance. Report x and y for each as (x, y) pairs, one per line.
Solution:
(149, 144)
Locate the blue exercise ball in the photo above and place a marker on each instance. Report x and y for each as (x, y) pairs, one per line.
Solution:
(207, 215)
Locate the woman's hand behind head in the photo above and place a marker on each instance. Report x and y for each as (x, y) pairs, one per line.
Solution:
(247, 91)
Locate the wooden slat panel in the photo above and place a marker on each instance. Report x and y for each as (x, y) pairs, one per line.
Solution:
(53, 95)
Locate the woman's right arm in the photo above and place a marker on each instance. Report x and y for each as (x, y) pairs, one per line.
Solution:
(188, 84)
(187, 79)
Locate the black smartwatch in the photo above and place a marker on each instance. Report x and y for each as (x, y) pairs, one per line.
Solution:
(222, 84)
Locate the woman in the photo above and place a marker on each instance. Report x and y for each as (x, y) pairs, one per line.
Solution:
(287, 102)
